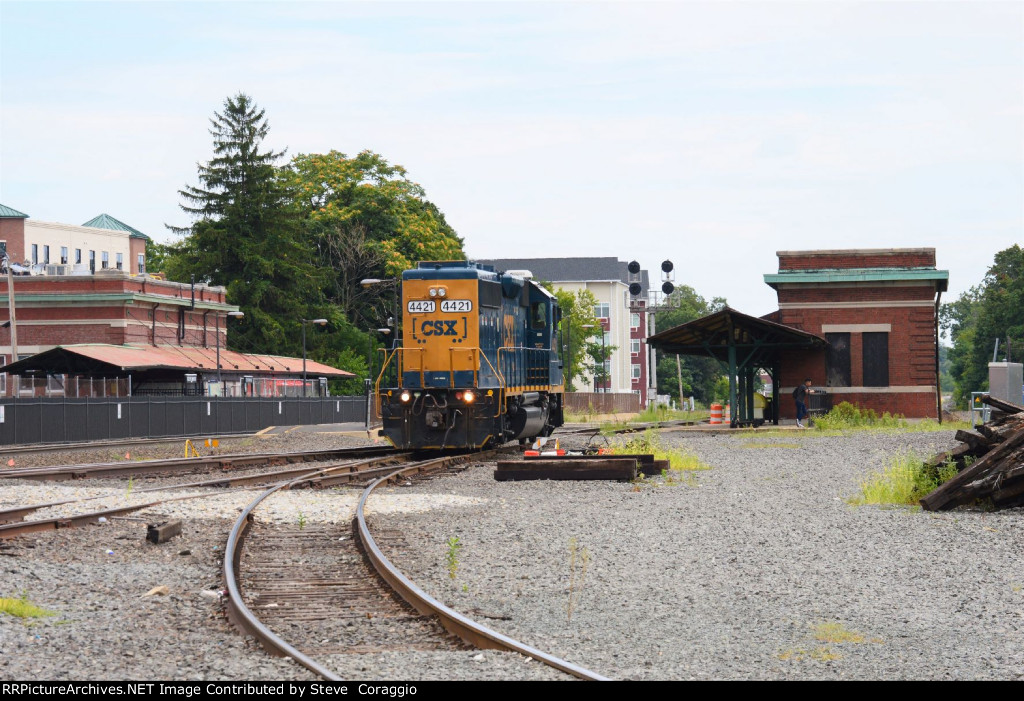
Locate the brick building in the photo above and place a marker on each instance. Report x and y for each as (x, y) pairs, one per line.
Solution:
(878, 311)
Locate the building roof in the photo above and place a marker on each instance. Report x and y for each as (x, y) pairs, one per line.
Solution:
(105, 221)
(8, 213)
(759, 342)
(818, 276)
(94, 357)
(556, 270)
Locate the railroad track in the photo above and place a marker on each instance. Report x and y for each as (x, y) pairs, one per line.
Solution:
(115, 443)
(178, 465)
(319, 585)
(12, 523)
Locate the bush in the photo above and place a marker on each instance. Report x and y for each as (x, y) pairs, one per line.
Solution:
(905, 480)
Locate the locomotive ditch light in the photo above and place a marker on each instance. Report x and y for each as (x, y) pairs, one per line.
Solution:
(468, 396)
(405, 396)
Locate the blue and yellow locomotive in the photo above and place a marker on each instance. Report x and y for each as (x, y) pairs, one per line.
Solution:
(477, 362)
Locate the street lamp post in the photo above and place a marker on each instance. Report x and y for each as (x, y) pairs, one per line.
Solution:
(321, 322)
(237, 315)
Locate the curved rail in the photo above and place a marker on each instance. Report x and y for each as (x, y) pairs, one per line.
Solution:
(457, 624)
(240, 614)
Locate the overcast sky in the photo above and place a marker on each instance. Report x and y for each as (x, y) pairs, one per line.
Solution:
(710, 133)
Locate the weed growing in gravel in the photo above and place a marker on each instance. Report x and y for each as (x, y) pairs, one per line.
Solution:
(905, 480)
(302, 521)
(821, 653)
(579, 560)
(835, 632)
(649, 442)
(847, 417)
(23, 608)
(131, 485)
(452, 556)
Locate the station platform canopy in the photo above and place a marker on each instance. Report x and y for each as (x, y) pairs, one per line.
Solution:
(105, 359)
(743, 344)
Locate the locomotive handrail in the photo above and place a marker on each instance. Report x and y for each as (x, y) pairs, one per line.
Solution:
(522, 374)
(396, 355)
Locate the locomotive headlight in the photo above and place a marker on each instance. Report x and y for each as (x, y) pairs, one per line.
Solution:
(441, 292)
(468, 396)
(405, 396)
(433, 292)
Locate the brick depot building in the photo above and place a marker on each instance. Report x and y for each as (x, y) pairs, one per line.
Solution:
(878, 311)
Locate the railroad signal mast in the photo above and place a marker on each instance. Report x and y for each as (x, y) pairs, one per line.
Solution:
(655, 300)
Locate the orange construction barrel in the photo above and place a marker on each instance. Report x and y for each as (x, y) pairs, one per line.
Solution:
(716, 413)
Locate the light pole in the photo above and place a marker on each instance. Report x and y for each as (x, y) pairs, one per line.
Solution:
(237, 315)
(321, 322)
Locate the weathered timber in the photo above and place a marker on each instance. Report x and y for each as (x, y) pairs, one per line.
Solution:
(162, 532)
(642, 459)
(618, 468)
(974, 440)
(1002, 404)
(953, 493)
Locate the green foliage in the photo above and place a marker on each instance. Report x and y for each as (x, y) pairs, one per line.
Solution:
(363, 218)
(845, 416)
(156, 253)
(580, 351)
(452, 556)
(700, 375)
(245, 233)
(905, 480)
(650, 442)
(989, 311)
(23, 608)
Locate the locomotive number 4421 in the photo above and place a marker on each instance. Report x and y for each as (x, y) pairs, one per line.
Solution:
(457, 305)
(421, 306)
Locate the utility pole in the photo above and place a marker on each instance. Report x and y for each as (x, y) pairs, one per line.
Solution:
(10, 306)
(679, 373)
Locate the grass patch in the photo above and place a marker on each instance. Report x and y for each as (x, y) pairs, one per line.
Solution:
(649, 441)
(834, 632)
(821, 653)
(23, 608)
(846, 417)
(905, 480)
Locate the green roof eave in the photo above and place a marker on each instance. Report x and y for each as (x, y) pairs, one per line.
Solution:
(125, 298)
(939, 277)
(9, 213)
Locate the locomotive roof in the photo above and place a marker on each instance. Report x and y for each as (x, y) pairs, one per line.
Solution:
(452, 270)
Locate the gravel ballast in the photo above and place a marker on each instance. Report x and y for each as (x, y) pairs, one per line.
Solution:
(758, 568)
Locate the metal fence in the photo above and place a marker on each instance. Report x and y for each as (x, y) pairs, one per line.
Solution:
(602, 402)
(51, 420)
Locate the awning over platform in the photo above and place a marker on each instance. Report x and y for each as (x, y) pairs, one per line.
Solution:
(743, 344)
(96, 358)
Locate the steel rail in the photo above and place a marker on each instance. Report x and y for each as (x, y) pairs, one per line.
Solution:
(225, 462)
(457, 624)
(308, 479)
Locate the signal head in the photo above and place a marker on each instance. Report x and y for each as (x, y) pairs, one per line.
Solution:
(666, 266)
(635, 288)
(633, 267)
(667, 287)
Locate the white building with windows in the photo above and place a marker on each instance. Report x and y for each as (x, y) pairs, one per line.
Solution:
(630, 366)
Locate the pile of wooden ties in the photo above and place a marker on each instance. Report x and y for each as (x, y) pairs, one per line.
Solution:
(990, 461)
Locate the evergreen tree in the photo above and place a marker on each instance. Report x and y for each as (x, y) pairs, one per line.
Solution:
(245, 234)
(701, 375)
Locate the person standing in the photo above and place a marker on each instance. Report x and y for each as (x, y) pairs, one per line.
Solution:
(800, 395)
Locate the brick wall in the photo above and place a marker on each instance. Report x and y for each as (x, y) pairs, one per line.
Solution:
(13, 232)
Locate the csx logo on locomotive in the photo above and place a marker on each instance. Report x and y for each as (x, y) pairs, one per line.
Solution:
(441, 327)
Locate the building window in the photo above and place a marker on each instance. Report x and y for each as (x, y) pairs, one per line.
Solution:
(601, 311)
(78, 256)
(46, 255)
(105, 260)
(35, 253)
(92, 261)
(837, 364)
(63, 255)
(120, 261)
(876, 359)
(142, 263)
(634, 346)
(636, 371)
(634, 321)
